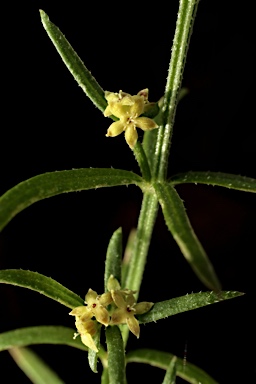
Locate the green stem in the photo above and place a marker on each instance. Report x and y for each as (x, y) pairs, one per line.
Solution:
(142, 161)
(116, 361)
(145, 227)
(183, 32)
(187, 11)
(138, 260)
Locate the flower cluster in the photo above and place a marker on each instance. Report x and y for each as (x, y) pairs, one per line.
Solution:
(117, 306)
(128, 109)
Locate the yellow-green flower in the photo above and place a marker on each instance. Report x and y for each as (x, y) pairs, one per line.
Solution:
(126, 306)
(87, 329)
(127, 309)
(94, 308)
(128, 109)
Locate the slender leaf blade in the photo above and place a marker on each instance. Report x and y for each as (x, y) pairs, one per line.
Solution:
(92, 355)
(170, 376)
(114, 257)
(34, 367)
(226, 180)
(171, 307)
(74, 64)
(41, 284)
(190, 372)
(179, 225)
(48, 334)
(54, 183)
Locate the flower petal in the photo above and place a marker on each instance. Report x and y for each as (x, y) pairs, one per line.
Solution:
(144, 94)
(119, 316)
(88, 341)
(105, 299)
(101, 314)
(143, 307)
(79, 311)
(118, 299)
(107, 111)
(115, 129)
(131, 135)
(91, 297)
(133, 325)
(138, 107)
(145, 123)
(113, 284)
(130, 300)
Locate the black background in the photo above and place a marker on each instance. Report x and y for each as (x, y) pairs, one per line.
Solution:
(48, 124)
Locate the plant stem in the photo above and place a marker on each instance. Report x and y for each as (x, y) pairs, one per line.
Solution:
(138, 260)
(116, 361)
(142, 161)
(183, 32)
(159, 162)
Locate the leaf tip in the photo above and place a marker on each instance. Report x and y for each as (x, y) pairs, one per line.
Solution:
(43, 15)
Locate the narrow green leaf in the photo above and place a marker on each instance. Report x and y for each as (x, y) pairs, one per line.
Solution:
(179, 225)
(189, 372)
(116, 361)
(54, 183)
(34, 367)
(170, 376)
(74, 64)
(41, 284)
(49, 334)
(114, 257)
(92, 355)
(127, 255)
(171, 307)
(227, 180)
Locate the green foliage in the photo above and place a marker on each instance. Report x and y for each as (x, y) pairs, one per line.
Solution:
(34, 367)
(152, 157)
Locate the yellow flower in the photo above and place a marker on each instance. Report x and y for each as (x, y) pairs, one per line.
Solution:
(86, 327)
(94, 308)
(126, 306)
(128, 109)
(127, 309)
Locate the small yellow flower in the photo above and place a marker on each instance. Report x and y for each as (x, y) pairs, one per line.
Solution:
(127, 309)
(126, 306)
(86, 327)
(128, 109)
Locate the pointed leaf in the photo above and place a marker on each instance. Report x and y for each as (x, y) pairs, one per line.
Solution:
(54, 183)
(40, 335)
(41, 284)
(74, 64)
(127, 255)
(170, 376)
(190, 372)
(226, 180)
(114, 257)
(179, 225)
(171, 307)
(34, 367)
(92, 355)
